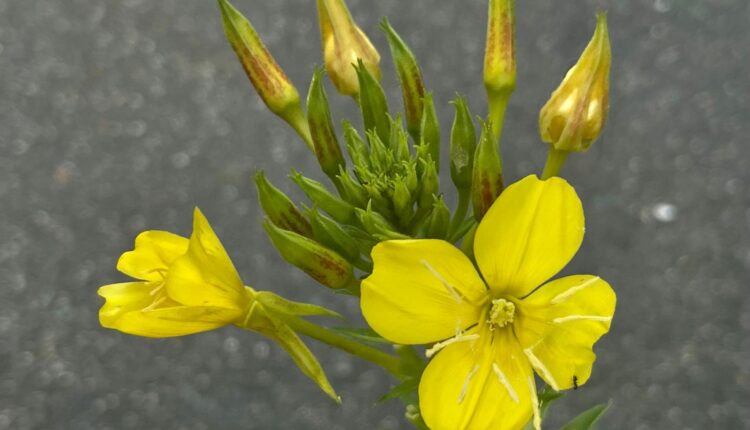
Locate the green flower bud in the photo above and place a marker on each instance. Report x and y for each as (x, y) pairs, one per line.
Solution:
(463, 144)
(279, 208)
(357, 148)
(381, 157)
(399, 143)
(340, 210)
(403, 202)
(377, 225)
(438, 220)
(574, 116)
(411, 177)
(322, 264)
(410, 76)
(430, 130)
(344, 44)
(323, 135)
(373, 103)
(429, 185)
(351, 190)
(329, 233)
(272, 84)
(487, 177)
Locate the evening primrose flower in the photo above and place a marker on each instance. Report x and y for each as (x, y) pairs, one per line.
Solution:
(491, 330)
(184, 286)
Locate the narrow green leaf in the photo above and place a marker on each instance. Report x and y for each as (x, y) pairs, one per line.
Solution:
(587, 419)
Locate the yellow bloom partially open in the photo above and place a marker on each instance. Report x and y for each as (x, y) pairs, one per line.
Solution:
(185, 285)
(492, 330)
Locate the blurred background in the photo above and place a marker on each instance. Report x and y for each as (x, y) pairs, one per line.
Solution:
(117, 117)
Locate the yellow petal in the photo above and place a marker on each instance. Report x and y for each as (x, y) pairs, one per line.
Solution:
(205, 276)
(559, 323)
(130, 309)
(479, 385)
(421, 291)
(154, 252)
(531, 232)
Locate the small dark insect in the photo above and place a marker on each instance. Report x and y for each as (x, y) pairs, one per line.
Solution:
(575, 382)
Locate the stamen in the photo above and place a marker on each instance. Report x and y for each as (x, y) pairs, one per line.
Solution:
(539, 366)
(156, 290)
(535, 405)
(455, 339)
(504, 382)
(565, 295)
(581, 317)
(156, 303)
(465, 387)
(452, 290)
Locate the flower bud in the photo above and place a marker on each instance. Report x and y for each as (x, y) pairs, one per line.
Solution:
(322, 264)
(373, 103)
(357, 148)
(344, 44)
(438, 220)
(429, 185)
(340, 210)
(279, 208)
(377, 225)
(351, 190)
(499, 55)
(430, 130)
(323, 135)
(329, 233)
(398, 140)
(412, 84)
(574, 116)
(272, 84)
(487, 176)
(402, 201)
(463, 144)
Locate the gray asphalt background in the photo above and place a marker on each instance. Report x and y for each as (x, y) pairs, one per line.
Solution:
(120, 116)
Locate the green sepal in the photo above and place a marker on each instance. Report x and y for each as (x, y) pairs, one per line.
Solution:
(277, 303)
(373, 103)
(327, 149)
(410, 76)
(438, 220)
(463, 144)
(487, 175)
(320, 263)
(405, 389)
(279, 208)
(430, 130)
(363, 334)
(342, 211)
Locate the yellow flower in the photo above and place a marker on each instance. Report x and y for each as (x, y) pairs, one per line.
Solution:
(185, 285)
(493, 328)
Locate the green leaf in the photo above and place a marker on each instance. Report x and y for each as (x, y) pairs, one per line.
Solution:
(587, 419)
(401, 390)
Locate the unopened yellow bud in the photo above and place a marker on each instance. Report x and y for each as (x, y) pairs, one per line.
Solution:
(574, 116)
(343, 44)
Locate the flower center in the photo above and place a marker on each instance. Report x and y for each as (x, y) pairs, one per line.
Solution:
(501, 313)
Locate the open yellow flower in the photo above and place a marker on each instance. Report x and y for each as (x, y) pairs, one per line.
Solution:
(491, 329)
(186, 285)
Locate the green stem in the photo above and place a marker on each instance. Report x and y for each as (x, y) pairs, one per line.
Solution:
(555, 162)
(498, 103)
(463, 205)
(297, 119)
(388, 362)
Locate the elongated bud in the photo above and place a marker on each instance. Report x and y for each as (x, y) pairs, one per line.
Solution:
(398, 140)
(410, 76)
(377, 225)
(351, 190)
(279, 208)
(499, 55)
(276, 90)
(429, 185)
(344, 44)
(430, 130)
(463, 144)
(327, 148)
(574, 116)
(373, 103)
(339, 209)
(487, 177)
(329, 233)
(322, 264)
(356, 147)
(439, 219)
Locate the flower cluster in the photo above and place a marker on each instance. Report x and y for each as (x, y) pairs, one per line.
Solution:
(473, 289)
